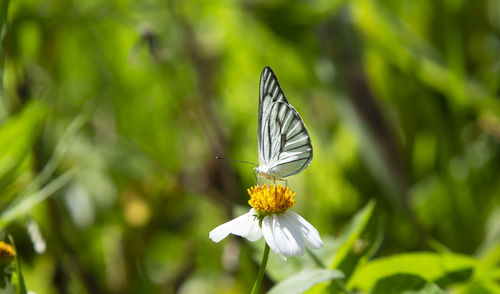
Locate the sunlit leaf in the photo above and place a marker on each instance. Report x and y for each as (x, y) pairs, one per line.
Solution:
(447, 268)
(17, 136)
(304, 280)
(405, 284)
(352, 232)
(398, 283)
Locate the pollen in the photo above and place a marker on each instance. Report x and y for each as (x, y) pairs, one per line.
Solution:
(274, 199)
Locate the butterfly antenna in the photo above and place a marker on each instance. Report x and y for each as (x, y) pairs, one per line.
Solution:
(223, 158)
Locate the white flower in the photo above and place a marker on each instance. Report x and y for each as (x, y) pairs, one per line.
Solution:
(286, 232)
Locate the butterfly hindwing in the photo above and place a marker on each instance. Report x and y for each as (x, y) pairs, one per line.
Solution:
(287, 149)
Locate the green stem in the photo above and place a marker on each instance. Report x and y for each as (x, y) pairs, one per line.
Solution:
(315, 258)
(262, 270)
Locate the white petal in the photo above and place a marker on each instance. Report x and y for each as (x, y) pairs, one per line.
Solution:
(311, 235)
(267, 231)
(288, 236)
(254, 232)
(243, 226)
(225, 229)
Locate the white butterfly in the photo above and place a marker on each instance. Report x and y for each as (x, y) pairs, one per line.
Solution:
(283, 141)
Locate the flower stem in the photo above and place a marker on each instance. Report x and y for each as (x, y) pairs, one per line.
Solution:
(262, 270)
(315, 258)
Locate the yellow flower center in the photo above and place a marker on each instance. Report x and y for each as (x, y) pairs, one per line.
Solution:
(7, 254)
(274, 199)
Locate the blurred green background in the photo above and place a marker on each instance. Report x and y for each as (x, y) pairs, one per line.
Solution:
(112, 114)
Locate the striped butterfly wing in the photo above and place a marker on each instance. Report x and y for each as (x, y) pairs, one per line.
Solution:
(269, 92)
(284, 145)
(287, 148)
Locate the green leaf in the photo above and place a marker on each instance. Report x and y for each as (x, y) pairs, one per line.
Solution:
(16, 139)
(405, 284)
(4, 6)
(346, 258)
(364, 249)
(352, 232)
(429, 266)
(17, 276)
(24, 205)
(304, 280)
(427, 289)
(454, 277)
(398, 283)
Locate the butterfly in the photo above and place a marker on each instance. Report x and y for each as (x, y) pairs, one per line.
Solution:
(284, 145)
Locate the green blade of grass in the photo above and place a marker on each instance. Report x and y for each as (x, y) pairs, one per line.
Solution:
(19, 209)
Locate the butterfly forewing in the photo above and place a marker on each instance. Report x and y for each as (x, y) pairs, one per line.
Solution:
(284, 145)
(269, 92)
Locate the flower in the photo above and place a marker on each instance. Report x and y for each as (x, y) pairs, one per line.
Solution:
(7, 254)
(286, 232)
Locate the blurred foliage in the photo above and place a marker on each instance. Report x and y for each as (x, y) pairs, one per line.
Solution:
(112, 113)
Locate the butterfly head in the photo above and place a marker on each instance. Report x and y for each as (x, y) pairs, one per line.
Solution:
(265, 172)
